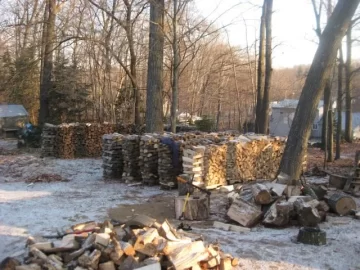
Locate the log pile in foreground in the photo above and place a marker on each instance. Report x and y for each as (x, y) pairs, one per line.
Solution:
(106, 246)
(112, 156)
(131, 155)
(148, 159)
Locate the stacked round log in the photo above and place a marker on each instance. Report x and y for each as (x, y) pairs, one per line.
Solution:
(148, 159)
(64, 141)
(48, 137)
(112, 156)
(131, 155)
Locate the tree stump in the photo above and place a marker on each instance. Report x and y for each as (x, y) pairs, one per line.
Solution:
(197, 207)
(341, 204)
(311, 236)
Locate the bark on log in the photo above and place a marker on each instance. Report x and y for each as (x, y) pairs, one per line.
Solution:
(312, 236)
(244, 213)
(341, 204)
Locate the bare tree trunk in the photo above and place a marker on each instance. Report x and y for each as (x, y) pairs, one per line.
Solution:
(45, 83)
(348, 105)
(175, 71)
(330, 137)
(339, 104)
(154, 105)
(261, 71)
(264, 126)
(330, 40)
(325, 125)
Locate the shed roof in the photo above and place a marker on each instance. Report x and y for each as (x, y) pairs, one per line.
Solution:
(12, 110)
(292, 103)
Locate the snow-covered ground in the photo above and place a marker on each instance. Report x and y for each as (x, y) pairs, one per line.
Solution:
(41, 208)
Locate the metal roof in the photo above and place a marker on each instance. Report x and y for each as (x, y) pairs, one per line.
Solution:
(12, 110)
(292, 103)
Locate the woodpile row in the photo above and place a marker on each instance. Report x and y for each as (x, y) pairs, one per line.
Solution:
(112, 155)
(148, 160)
(76, 140)
(141, 243)
(209, 159)
(250, 158)
(131, 156)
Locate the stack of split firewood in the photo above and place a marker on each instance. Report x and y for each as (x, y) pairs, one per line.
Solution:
(112, 155)
(64, 142)
(80, 134)
(48, 137)
(193, 162)
(148, 160)
(253, 157)
(131, 155)
(215, 165)
(141, 243)
(170, 160)
(280, 205)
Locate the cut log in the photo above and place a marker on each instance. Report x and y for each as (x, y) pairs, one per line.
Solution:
(312, 236)
(40, 255)
(244, 213)
(197, 207)
(278, 214)
(230, 227)
(307, 215)
(341, 204)
(292, 191)
(275, 188)
(261, 194)
(9, 263)
(90, 259)
(107, 266)
(32, 266)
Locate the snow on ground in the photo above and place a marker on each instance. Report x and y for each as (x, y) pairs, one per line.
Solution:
(42, 208)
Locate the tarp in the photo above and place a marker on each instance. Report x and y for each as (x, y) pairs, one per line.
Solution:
(12, 110)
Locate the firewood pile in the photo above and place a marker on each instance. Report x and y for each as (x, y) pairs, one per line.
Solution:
(141, 243)
(112, 156)
(280, 205)
(76, 140)
(64, 141)
(148, 159)
(215, 165)
(131, 156)
(48, 140)
(250, 158)
(170, 160)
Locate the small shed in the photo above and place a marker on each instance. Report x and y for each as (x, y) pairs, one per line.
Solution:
(12, 117)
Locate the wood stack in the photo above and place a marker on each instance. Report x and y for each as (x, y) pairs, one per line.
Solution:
(80, 134)
(131, 155)
(93, 140)
(215, 165)
(64, 141)
(251, 158)
(112, 156)
(148, 160)
(106, 247)
(170, 161)
(193, 162)
(48, 138)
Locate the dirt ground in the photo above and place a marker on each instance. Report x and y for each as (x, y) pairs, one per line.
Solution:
(41, 208)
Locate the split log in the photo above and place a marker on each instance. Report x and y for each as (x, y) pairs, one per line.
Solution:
(261, 194)
(188, 256)
(32, 266)
(197, 207)
(307, 215)
(341, 204)
(90, 259)
(278, 214)
(49, 263)
(275, 188)
(107, 266)
(244, 213)
(9, 263)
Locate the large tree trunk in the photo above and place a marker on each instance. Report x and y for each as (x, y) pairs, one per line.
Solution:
(261, 71)
(330, 40)
(175, 71)
(48, 44)
(339, 103)
(348, 107)
(154, 105)
(264, 126)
